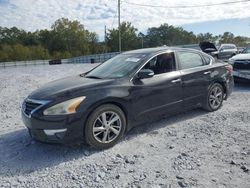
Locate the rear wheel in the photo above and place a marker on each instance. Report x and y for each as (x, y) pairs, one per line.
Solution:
(214, 98)
(105, 126)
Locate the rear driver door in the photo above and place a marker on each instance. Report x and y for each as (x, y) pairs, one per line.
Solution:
(196, 76)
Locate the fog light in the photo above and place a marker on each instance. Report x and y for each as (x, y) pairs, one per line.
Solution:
(54, 131)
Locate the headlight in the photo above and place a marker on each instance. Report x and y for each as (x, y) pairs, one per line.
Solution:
(66, 107)
(231, 61)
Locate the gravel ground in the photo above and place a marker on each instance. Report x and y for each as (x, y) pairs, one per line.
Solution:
(193, 149)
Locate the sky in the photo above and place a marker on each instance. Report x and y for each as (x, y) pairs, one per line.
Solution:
(238, 26)
(95, 14)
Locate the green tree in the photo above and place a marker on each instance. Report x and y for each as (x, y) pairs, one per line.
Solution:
(68, 38)
(11, 35)
(227, 37)
(38, 52)
(129, 38)
(71, 36)
(20, 52)
(5, 52)
(206, 37)
(168, 35)
(241, 41)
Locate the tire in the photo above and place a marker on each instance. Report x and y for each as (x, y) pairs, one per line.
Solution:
(214, 98)
(236, 80)
(105, 126)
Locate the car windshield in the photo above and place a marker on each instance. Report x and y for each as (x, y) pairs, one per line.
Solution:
(246, 51)
(117, 67)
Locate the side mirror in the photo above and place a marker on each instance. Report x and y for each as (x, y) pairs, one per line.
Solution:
(145, 73)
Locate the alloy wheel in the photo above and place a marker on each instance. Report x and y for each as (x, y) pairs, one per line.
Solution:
(107, 127)
(216, 97)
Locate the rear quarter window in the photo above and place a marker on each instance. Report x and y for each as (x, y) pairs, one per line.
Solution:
(207, 60)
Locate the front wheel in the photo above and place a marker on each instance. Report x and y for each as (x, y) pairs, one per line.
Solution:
(105, 126)
(214, 98)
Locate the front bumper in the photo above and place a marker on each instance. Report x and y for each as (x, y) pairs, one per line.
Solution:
(55, 129)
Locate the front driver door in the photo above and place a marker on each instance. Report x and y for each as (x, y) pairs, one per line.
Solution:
(161, 94)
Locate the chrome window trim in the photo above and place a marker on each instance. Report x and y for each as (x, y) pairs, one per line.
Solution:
(176, 60)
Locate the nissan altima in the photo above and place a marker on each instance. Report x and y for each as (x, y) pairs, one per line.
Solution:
(132, 88)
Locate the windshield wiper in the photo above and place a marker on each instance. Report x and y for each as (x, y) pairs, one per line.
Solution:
(95, 77)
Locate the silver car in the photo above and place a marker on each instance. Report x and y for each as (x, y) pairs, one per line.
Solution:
(225, 51)
(241, 64)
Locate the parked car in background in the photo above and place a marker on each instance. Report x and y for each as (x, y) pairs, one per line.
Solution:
(225, 51)
(240, 49)
(132, 88)
(208, 47)
(241, 64)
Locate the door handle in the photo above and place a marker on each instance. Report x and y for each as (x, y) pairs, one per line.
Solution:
(208, 72)
(175, 81)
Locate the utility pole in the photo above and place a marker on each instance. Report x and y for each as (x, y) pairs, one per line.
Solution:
(142, 42)
(142, 39)
(119, 25)
(105, 39)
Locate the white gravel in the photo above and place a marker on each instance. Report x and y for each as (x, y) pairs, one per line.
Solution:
(193, 149)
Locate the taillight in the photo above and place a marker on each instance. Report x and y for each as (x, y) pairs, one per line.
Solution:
(229, 69)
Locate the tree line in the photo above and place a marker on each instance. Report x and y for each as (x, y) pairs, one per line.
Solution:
(68, 38)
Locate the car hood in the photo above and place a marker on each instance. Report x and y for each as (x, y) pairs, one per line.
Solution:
(207, 47)
(241, 56)
(66, 87)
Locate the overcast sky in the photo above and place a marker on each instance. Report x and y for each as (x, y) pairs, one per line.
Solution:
(95, 14)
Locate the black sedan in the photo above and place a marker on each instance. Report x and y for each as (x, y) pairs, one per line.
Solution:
(100, 106)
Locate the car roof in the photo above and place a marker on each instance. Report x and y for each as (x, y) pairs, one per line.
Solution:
(158, 50)
(228, 44)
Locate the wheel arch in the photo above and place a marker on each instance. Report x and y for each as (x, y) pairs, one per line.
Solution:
(206, 104)
(114, 101)
(222, 83)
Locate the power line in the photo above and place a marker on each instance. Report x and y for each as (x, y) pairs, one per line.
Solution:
(184, 6)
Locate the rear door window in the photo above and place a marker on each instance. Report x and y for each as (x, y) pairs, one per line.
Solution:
(189, 60)
(228, 47)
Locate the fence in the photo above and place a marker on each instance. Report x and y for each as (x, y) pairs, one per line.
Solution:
(27, 63)
(96, 58)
